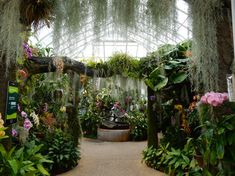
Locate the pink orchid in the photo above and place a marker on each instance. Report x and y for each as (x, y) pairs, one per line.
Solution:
(204, 99)
(24, 114)
(27, 124)
(14, 132)
(214, 98)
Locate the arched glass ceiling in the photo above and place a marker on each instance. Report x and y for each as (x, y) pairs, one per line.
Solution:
(135, 43)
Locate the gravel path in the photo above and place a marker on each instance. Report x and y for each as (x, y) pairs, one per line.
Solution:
(111, 159)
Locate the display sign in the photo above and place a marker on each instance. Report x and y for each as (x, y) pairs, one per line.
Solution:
(12, 102)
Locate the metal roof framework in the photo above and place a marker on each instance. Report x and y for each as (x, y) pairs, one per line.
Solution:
(86, 44)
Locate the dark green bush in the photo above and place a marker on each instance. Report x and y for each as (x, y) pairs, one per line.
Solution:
(26, 160)
(63, 151)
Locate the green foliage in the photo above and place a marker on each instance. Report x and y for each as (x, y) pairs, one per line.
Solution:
(215, 144)
(167, 73)
(62, 151)
(26, 160)
(175, 136)
(173, 161)
(138, 124)
(118, 63)
(153, 157)
(94, 106)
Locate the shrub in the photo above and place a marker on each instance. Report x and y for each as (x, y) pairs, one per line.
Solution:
(138, 123)
(63, 151)
(26, 160)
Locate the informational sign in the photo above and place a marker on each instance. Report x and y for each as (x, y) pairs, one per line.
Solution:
(12, 102)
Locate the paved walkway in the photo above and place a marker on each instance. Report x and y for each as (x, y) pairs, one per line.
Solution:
(111, 159)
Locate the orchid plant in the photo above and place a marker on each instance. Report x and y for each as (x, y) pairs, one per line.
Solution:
(214, 98)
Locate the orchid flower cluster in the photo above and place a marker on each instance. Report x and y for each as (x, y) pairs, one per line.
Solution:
(28, 51)
(2, 132)
(27, 123)
(214, 98)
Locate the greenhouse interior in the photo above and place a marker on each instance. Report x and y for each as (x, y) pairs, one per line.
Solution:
(117, 87)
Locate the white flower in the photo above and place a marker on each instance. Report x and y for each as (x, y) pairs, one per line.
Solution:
(35, 118)
(63, 109)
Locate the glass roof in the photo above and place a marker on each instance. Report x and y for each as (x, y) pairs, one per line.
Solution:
(136, 43)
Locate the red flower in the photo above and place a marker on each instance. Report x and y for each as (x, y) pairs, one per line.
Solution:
(22, 74)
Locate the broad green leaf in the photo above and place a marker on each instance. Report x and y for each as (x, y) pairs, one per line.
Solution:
(183, 60)
(155, 73)
(14, 166)
(3, 150)
(186, 159)
(179, 77)
(231, 139)
(220, 150)
(42, 169)
(19, 152)
(174, 62)
(206, 172)
(213, 157)
(176, 165)
(161, 84)
(229, 126)
(149, 83)
(167, 67)
(220, 130)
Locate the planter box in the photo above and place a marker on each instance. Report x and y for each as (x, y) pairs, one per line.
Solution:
(113, 135)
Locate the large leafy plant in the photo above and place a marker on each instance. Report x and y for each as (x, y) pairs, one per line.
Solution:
(63, 151)
(170, 69)
(24, 161)
(217, 139)
(173, 161)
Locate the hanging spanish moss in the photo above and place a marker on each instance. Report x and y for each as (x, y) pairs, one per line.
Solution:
(124, 14)
(99, 9)
(10, 30)
(71, 16)
(161, 13)
(78, 20)
(205, 15)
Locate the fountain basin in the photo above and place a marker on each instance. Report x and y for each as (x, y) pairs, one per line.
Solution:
(113, 135)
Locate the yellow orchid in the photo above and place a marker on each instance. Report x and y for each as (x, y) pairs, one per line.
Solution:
(2, 128)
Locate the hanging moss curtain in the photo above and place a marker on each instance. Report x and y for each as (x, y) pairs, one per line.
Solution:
(10, 32)
(73, 17)
(205, 15)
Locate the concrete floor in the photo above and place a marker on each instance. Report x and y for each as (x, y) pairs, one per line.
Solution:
(111, 159)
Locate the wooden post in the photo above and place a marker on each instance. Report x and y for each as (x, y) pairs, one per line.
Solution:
(152, 121)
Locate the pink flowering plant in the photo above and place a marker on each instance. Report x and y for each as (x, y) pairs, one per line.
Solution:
(212, 106)
(214, 98)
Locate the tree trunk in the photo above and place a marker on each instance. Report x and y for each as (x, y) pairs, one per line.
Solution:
(4, 78)
(225, 45)
(37, 65)
(152, 121)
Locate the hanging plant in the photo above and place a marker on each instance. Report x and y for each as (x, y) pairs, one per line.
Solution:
(36, 12)
(10, 29)
(124, 13)
(205, 60)
(100, 10)
(161, 13)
